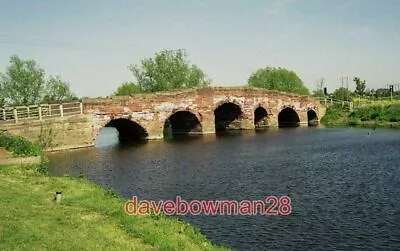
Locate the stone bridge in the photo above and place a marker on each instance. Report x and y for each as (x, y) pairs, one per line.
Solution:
(164, 114)
(201, 111)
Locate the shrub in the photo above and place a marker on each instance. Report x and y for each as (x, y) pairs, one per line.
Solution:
(19, 146)
(389, 113)
(334, 113)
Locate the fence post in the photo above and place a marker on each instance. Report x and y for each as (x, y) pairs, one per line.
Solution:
(81, 107)
(40, 112)
(15, 115)
(50, 110)
(61, 110)
(4, 114)
(27, 111)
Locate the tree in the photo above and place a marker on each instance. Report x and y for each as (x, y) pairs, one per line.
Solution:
(277, 79)
(57, 90)
(360, 86)
(342, 94)
(22, 83)
(169, 69)
(127, 89)
(382, 92)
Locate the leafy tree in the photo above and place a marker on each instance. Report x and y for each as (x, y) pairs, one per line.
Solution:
(57, 90)
(23, 82)
(169, 69)
(127, 89)
(342, 94)
(360, 86)
(277, 79)
(382, 92)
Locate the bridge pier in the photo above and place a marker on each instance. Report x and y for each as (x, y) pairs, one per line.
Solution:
(248, 122)
(208, 124)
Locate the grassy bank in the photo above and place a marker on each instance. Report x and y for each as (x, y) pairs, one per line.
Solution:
(368, 116)
(89, 217)
(19, 146)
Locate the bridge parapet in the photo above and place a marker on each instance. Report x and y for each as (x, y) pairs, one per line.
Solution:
(19, 114)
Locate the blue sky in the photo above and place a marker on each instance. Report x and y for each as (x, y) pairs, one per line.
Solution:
(91, 43)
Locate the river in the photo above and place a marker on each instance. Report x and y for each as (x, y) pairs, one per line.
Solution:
(344, 183)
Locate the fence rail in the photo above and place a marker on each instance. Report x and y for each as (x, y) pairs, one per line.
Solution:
(39, 112)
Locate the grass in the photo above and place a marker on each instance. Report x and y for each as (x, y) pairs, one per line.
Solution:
(89, 217)
(388, 113)
(376, 115)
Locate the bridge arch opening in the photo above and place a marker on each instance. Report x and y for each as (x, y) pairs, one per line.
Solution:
(128, 130)
(312, 118)
(288, 118)
(182, 123)
(228, 116)
(260, 118)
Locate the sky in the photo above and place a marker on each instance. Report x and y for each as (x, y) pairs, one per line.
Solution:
(91, 43)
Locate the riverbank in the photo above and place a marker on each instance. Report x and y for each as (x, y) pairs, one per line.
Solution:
(88, 217)
(373, 116)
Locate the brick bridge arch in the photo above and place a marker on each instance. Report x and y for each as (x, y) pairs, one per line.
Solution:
(131, 129)
(152, 110)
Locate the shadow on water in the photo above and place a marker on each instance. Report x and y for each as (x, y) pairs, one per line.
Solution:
(182, 138)
(230, 133)
(126, 144)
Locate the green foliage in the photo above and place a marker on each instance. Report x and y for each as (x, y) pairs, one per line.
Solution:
(23, 82)
(334, 113)
(342, 94)
(127, 89)
(382, 92)
(43, 166)
(374, 115)
(389, 113)
(19, 146)
(277, 79)
(58, 91)
(360, 86)
(168, 70)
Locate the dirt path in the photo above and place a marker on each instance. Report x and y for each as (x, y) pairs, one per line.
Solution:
(7, 159)
(4, 154)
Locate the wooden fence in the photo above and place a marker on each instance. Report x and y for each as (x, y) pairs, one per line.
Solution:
(39, 112)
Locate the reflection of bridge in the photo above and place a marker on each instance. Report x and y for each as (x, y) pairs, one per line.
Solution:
(204, 110)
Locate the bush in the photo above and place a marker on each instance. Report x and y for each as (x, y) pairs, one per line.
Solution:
(334, 113)
(19, 146)
(388, 113)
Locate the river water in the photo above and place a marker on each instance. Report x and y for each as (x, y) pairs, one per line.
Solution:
(344, 184)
